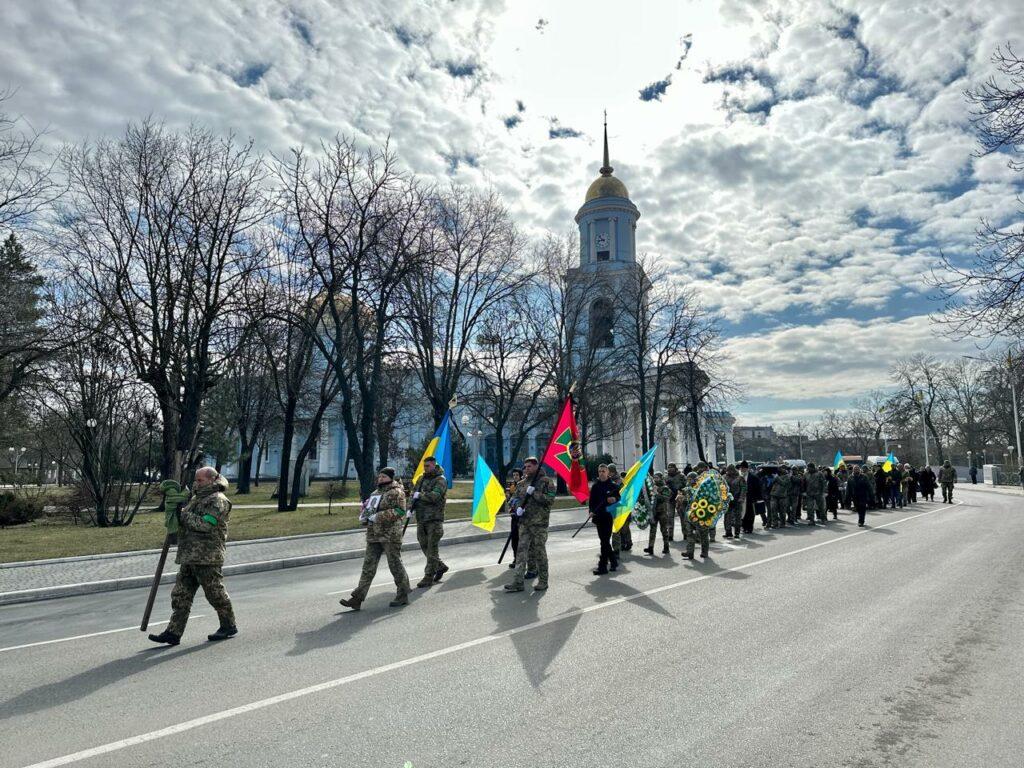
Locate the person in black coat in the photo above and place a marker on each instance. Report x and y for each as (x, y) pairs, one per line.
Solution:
(603, 493)
(832, 493)
(881, 487)
(927, 481)
(753, 497)
(860, 491)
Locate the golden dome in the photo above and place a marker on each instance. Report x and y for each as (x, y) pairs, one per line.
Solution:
(606, 186)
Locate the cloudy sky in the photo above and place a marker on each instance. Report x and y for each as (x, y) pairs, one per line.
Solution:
(802, 163)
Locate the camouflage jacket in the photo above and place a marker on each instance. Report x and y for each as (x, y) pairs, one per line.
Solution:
(661, 497)
(536, 505)
(203, 527)
(796, 484)
(388, 505)
(683, 500)
(817, 483)
(676, 482)
(780, 486)
(947, 475)
(433, 490)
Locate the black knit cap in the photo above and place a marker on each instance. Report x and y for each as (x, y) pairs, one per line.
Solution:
(389, 471)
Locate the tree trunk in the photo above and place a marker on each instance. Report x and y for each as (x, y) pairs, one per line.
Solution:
(288, 434)
(261, 448)
(245, 465)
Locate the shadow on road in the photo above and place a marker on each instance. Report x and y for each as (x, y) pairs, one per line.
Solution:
(471, 577)
(345, 626)
(710, 568)
(606, 588)
(538, 648)
(85, 683)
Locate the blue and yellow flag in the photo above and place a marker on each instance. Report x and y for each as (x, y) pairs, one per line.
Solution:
(838, 462)
(488, 496)
(632, 487)
(890, 460)
(440, 447)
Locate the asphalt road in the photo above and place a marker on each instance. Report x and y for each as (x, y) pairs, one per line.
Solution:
(899, 644)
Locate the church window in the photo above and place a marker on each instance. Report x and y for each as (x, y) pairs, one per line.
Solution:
(602, 324)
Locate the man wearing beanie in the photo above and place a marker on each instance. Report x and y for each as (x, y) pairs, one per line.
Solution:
(382, 515)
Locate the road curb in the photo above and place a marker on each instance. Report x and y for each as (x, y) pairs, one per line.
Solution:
(136, 582)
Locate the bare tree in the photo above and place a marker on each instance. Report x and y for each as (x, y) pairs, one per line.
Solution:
(366, 227)
(986, 297)
(25, 341)
(921, 383)
(511, 390)
(964, 385)
(157, 231)
(27, 182)
(477, 263)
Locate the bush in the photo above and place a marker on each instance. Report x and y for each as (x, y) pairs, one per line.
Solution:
(15, 510)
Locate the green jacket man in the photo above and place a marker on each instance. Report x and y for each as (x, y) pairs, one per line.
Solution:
(428, 499)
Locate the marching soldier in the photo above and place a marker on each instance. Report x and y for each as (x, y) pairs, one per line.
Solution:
(702, 467)
(734, 514)
(661, 503)
(778, 509)
(947, 479)
(694, 532)
(202, 536)
(535, 493)
(814, 502)
(796, 487)
(382, 514)
(428, 499)
(676, 481)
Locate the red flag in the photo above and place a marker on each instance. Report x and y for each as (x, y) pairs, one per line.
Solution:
(565, 454)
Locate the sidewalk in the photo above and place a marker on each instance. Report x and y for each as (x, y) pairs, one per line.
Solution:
(45, 579)
(1008, 490)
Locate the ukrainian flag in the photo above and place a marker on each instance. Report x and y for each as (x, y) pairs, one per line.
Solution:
(838, 462)
(632, 487)
(889, 461)
(440, 447)
(488, 496)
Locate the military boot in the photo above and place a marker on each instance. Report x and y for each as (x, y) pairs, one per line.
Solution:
(513, 587)
(166, 637)
(426, 581)
(351, 602)
(540, 586)
(223, 633)
(440, 572)
(648, 550)
(664, 549)
(400, 599)
(531, 575)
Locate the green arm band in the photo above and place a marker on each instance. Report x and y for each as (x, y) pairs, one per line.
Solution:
(210, 519)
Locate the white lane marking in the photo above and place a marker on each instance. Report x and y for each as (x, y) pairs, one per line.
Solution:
(91, 634)
(225, 714)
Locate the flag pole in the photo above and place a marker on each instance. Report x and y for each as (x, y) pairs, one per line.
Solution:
(408, 515)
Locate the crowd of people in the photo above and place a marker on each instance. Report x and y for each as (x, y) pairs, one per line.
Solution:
(780, 495)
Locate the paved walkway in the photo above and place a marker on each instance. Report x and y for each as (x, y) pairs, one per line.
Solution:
(54, 573)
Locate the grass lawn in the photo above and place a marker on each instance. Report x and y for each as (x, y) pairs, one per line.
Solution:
(57, 537)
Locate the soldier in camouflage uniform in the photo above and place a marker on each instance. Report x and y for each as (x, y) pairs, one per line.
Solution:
(693, 531)
(796, 489)
(661, 502)
(734, 514)
(814, 499)
(535, 492)
(676, 481)
(779, 499)
(202, 536)
(947, 479)
(428, 499)
(382, 515)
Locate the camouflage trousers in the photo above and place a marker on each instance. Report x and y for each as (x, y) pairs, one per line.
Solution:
(533, 539)
(815, 506)
(734, 517)
(947, 492)
(695, 533)
(793, 509)
(623, 538)
(190, 578)
(671, 523)
(777, 509)
(660, 519)
(429, 534)
(374, 550)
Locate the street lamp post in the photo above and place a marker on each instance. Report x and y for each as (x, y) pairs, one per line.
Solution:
(1013, 394)
(924, 427)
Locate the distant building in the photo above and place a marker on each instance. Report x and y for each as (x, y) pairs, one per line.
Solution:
(754, 433)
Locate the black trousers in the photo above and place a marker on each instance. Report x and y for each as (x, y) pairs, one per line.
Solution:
(515, 536)
(603, 523)
(861, 510)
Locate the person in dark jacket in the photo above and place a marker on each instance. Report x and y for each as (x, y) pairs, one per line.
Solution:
(603, 493)
(510, 487)
(832, 493)
(860, 490)
(753, 498)
(927, 480)
(881, 487)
